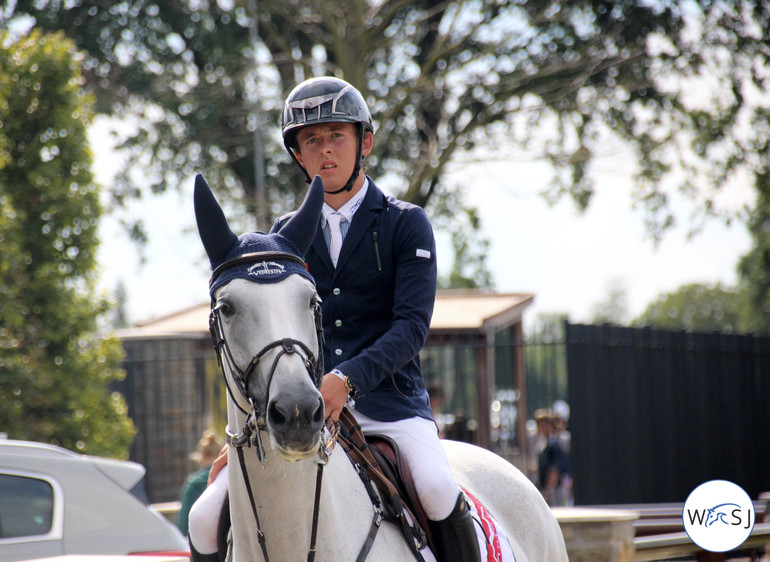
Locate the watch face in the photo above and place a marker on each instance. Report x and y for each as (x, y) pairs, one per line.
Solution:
(349, 386)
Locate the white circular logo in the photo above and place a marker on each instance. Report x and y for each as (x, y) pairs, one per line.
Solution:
(718, 516)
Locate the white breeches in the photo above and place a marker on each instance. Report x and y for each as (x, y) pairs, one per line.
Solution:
(205, 513)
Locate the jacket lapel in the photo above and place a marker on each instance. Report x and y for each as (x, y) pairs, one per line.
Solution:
(362, 219)
(320, 247)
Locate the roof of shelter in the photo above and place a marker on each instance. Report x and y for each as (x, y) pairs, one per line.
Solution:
(453, 311)
(473, 310)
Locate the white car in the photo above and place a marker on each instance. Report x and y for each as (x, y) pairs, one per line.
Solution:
(54, 502)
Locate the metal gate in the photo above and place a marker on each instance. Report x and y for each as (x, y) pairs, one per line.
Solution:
(656, 413)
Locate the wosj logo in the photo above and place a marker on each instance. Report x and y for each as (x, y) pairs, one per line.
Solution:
(718, 516)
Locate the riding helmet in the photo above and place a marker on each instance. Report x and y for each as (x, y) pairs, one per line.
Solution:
(324, 100)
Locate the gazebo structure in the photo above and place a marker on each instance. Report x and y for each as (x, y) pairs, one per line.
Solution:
(473, 358)
(481, 337)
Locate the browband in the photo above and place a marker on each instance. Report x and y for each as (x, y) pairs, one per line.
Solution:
(255, 257)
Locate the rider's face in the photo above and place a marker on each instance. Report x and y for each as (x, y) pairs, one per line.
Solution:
(329, 150)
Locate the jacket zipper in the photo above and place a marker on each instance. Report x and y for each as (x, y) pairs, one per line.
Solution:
(395, 385)
(375, 238)
(377, 251)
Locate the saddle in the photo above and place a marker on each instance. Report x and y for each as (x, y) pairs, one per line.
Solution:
(381, 461)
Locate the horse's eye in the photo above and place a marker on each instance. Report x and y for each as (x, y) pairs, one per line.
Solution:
(225, 308)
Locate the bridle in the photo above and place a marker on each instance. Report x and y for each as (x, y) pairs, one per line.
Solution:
(250, 434)
(313, 365)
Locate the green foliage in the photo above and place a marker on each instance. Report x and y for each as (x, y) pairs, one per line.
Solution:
(442, 78)
(754, 267)
(463, 224)
(545, 356)
(695, 308)
(54, 368)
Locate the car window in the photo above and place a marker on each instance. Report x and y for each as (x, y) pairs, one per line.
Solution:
(26, 506)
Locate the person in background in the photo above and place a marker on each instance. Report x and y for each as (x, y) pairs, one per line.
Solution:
(561, 411)
(561, 430)
(208, 449)
(553, 466)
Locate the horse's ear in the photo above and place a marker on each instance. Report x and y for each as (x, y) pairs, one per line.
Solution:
(302, 225)
(215, 233)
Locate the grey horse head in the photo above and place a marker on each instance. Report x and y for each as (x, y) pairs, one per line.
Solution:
(265, 319)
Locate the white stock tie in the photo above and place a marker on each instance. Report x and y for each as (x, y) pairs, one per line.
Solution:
(335, 238)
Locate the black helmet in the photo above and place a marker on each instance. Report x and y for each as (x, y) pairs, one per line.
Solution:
(324, 100)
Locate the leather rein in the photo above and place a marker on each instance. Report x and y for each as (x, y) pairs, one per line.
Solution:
(250, 434)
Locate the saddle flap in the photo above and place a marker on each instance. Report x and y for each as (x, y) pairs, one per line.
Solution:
(395, 468)
(384, 469)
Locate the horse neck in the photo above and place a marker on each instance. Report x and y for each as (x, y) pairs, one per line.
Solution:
(284, 493)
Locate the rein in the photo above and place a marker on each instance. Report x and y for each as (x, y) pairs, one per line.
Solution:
(250, 434)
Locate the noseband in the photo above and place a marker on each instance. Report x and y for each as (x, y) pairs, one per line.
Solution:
(256, 418)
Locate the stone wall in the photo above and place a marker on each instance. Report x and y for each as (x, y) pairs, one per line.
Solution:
(597, 535)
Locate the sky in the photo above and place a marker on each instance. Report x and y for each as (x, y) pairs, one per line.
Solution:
(567, 260)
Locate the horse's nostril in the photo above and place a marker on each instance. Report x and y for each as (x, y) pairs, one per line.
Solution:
(277, 417)
(318, 415)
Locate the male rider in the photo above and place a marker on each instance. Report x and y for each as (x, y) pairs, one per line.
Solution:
(377, 295)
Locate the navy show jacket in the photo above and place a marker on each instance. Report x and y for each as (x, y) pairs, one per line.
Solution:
(378, 303)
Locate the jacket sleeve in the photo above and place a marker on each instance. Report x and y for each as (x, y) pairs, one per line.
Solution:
(414, 293)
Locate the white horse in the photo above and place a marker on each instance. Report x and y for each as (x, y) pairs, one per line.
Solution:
(290, 499)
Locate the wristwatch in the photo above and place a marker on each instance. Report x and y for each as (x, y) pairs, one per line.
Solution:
(348, 383)
(349, 386)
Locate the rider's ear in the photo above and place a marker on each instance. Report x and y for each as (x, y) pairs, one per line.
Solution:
(215, 233)
(367, 144)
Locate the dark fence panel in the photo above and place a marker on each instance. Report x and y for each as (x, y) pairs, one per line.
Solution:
(656, 413)
(168, 399)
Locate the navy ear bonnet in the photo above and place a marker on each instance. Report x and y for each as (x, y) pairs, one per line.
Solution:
(270, 270)
(223, 245)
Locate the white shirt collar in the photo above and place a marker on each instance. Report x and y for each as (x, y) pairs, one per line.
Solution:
(349, 208)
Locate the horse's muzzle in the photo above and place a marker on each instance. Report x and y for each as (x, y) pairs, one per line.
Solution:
(295, 424)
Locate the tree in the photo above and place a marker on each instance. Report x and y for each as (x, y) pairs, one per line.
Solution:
(695, 308)
(614, 309)
(452, 79)
(754, 267)
(54, 367)
(462, 223)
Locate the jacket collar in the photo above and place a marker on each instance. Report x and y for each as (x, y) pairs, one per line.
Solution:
(374, 201)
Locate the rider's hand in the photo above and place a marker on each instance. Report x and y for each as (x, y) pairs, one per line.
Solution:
(219, 463)
(335, 395)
